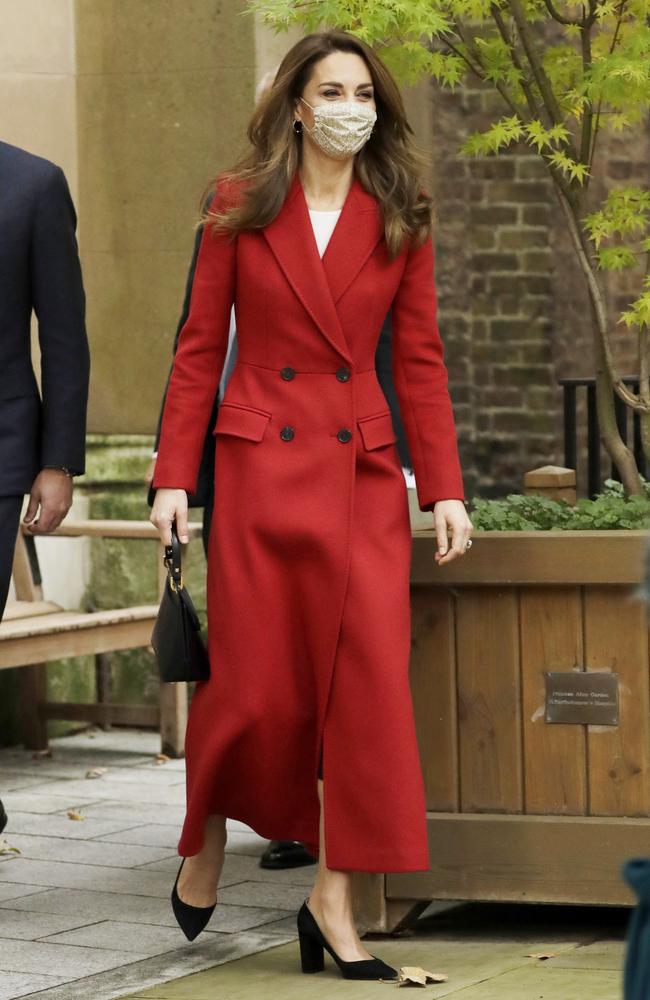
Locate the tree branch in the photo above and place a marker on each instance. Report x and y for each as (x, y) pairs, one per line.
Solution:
(600, 318)
(555, 14)
(588, 115)
(477, 68)
(541, 79)
(516, 61)
(599, 111)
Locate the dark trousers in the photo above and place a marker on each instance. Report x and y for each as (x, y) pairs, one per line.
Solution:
(10, 508)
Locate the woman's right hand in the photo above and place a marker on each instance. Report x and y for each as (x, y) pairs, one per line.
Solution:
(170, 504)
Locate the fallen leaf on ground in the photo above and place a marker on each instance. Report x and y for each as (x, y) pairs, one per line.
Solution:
(6, 848)
(413, 975)
(161, 758)
(74, 814)
(40, 754)
(96, 772)
(543, 955)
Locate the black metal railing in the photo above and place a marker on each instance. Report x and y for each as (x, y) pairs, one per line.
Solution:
(595, 478)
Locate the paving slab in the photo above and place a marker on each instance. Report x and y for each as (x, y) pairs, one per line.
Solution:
(244, 868)
(41, 848)
(208, 954)
(107, 788)
(20, 984)
(248, 978)
(599, 955)
(141, 939)
(153, 835)
(280, 897)
(39, 801)
(556, 984)
(134, 813)
(59, 959)
(14, 890)
(91, 905)
(60, 825)
(25, 926)
(77, 876)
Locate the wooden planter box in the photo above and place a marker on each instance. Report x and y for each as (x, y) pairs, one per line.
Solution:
(520, 809)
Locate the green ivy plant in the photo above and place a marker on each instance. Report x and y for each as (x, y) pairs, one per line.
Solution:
(610, 510)
(565, 72)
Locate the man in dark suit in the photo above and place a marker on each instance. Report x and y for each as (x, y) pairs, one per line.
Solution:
(42, 436)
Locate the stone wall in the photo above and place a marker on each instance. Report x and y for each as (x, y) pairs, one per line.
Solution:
(513, 309)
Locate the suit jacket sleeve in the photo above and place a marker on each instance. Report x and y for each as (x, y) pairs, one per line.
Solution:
(185, 311)
(198, 362)
(59, 302)
(420, 378)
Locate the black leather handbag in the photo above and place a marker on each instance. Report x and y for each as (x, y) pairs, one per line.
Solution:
(176, 636)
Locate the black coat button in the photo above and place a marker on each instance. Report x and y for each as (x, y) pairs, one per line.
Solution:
(343, 374)
(287, 374)
(344, 435)
(287, 433)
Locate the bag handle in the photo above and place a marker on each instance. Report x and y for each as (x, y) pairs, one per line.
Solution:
(172, 559)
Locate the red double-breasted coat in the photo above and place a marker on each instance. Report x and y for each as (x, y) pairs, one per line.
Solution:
(309, 552)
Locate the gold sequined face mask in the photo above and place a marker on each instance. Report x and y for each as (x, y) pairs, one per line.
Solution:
(341, 128)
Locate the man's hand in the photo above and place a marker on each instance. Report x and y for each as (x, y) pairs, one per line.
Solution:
(450, 518)
(52, 492)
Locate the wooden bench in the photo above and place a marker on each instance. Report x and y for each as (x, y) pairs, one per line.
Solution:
(35, 631)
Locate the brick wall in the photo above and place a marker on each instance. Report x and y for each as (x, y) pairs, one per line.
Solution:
(513, 310)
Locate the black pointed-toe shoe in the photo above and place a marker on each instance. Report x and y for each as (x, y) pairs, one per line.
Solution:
(191, 919)
(313, 944)
(3, 817)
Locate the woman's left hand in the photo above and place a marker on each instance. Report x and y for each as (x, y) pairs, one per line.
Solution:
(450, 518)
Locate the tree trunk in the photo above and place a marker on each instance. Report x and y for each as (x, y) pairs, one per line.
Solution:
(616, 448)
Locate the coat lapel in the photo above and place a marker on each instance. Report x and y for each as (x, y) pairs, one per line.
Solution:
(319, 284)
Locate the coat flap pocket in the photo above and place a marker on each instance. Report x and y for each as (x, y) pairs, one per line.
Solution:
(242, 421)
(377, 430)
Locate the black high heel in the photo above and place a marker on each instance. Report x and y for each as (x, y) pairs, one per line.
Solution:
(191, 919)
(313, 944)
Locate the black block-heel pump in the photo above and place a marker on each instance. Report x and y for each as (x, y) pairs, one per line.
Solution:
(313, 944)
(191, 919)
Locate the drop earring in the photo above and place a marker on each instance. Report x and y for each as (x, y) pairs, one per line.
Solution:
(297, 126)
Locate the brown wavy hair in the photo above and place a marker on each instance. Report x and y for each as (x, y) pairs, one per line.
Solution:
(388, 166)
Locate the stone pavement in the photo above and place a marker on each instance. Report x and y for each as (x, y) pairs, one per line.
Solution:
(85, 915)
(84, 907)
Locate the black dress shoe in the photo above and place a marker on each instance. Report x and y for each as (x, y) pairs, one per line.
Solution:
(3, 817)
(286, 854)
(312, 947)
(191, 919)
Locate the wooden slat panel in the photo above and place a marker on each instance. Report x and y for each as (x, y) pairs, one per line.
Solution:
(28, 609)
(555, 767)
(119, 714)
(553, 859)
(98, 528)
(73, 621)
(105, 639)
(487, 637)
(433, 683)
(616, 638)
(536, 557)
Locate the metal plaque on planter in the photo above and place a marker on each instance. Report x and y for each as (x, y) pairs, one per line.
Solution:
(582, 696)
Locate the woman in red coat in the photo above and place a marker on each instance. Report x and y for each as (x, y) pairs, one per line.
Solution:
(305, 729)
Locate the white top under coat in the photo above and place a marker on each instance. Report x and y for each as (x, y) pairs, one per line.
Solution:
(323, 223)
